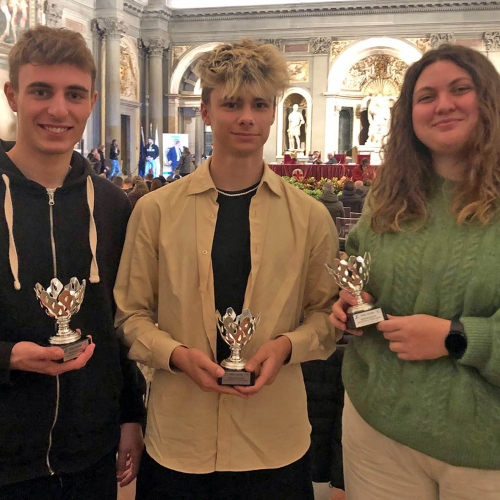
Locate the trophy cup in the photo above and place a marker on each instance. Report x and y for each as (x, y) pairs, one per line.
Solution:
(351, 274)
(236, 332)
(62, 302)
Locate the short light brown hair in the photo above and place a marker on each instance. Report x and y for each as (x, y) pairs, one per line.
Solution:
(246, 66)
(49, 46)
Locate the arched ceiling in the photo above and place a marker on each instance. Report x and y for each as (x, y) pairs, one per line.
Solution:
(205, 4)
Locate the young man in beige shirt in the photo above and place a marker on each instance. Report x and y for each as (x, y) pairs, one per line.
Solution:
(232, 234)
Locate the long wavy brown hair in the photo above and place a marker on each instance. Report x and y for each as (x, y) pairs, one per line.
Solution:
(405, 179)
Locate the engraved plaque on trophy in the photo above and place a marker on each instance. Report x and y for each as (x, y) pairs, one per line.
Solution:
(62, 302)
(351, 274)
(236, 332)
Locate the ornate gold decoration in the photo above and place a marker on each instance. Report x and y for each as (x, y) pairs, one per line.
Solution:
(128, 71)
(298, 71)
(337, 47)
(375, 67)
(422, 44)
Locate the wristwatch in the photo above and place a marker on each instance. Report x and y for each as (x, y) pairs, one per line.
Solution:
(456, 340)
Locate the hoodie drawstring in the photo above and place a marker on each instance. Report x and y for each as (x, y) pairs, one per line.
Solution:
(9, 217)
(94, 268)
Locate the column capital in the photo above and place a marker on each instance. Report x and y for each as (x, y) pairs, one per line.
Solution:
(438, 39)
(109, 27)
(320, 45)
(155, 46)
(491, 40)
(53, 14)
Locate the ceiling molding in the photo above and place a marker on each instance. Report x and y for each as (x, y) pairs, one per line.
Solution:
(344, 8)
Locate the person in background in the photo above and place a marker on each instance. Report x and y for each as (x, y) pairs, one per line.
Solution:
(127, 184)
(67, 429)
(362, 190)
(118, 181)
(358, 172)
(213, 240)
(350, 198)
(114, 152)
(149, 179)
(186, 164)
(331, 159)
(152, 153)
(422, 405)
(317, 158)
(104, 169)
(156, 184)
(138, 191)
(330, 200)
(95, 160)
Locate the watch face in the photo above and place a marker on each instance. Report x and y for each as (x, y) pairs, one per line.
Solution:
(456, 343)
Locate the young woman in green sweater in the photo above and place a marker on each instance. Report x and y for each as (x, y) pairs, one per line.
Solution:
(422, 413)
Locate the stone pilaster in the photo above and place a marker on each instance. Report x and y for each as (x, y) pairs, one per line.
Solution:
(156, 48)
(112, 29)
(53, 14)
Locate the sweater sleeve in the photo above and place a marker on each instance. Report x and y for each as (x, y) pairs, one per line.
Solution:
(5, 351)
(483, 346)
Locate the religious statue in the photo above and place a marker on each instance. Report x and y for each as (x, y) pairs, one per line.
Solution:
(295, 121)
(379, 116)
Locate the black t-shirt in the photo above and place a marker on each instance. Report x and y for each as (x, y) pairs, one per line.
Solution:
(231, 260)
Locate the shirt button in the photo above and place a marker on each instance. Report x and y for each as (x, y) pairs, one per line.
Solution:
(224, 401)
(211, 216)
(204, 252)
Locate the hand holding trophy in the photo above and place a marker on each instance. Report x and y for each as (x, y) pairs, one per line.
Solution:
(351, 274)
(236, 332)
(62, 302)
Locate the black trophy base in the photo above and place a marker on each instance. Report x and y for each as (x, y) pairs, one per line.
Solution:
(72, 350)
(237, 377)
(358, 320)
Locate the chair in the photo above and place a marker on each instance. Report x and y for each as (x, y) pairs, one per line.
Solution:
(355, 215)
(361, 158)
(344, 225)
(347, 212)
(340, 157)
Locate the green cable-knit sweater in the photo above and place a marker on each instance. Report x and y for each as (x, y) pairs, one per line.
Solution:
(446, 409)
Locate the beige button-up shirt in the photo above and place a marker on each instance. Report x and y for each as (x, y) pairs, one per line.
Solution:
(165, 277)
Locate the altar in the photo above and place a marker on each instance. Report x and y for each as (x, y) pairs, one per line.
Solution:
(327, 171)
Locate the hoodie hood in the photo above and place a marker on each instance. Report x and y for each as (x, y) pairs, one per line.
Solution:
(80, 172)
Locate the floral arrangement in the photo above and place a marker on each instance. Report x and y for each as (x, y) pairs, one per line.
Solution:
(313, 187)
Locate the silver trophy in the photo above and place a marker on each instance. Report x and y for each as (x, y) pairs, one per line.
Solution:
(351, 274)
(236, 332)
(62, 302)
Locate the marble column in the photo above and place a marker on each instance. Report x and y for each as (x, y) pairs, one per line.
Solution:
(199, 138)
(112, 30)
(156, 48)
(53, 14)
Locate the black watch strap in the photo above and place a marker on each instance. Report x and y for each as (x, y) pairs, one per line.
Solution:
(456, 340)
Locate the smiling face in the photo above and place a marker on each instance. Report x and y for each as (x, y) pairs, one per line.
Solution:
(52, 104)
(445, 110)
(240, 125)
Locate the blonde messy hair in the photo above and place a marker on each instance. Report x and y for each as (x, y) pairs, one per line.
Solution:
(405, 180)
(242, 67)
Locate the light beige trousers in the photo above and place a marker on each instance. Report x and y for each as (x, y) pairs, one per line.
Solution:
(378, 468)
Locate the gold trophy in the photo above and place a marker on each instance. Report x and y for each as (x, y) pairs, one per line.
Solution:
(236, 332)
(62, 302)
(351, 274)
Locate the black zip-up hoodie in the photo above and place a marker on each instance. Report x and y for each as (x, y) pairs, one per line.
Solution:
(67, 423)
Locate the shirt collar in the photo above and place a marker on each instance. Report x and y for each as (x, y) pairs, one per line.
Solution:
(201, 179)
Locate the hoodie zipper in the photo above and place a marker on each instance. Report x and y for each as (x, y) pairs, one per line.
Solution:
(50, 193)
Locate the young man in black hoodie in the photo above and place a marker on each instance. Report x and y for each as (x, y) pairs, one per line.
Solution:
(62, 423)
